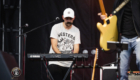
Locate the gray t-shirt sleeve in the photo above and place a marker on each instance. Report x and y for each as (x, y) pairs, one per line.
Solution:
(77, 37)
(54, 32)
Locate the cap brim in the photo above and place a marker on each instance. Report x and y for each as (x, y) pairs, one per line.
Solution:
(69, 16)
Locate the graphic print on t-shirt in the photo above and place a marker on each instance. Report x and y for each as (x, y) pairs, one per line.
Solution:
(65, 42)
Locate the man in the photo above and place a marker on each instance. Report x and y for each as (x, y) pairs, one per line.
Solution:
(65, 39)
(129, 30)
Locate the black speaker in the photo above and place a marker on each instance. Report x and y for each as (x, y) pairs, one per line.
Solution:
(108, 73)
(4, 71)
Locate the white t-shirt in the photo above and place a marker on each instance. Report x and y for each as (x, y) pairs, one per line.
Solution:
(66, 40)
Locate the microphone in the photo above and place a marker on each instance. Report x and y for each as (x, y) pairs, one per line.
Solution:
(26, 25)
(93, 51)
(85, 51)
(57, 18)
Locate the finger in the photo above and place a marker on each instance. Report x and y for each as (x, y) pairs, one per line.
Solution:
(102, 17)
(99, 14)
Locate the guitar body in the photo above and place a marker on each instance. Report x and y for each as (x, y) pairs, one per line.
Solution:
(108, 32)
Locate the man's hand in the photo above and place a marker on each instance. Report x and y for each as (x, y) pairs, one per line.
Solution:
(103, 16)
(76, 48)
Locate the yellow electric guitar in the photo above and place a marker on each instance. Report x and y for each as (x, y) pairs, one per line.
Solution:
(108, 31)
(95, 59)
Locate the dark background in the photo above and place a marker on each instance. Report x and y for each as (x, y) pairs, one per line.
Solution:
(39, 12)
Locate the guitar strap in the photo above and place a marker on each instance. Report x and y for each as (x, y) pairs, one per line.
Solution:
(120, 7)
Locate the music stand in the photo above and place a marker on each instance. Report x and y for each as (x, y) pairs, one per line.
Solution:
(119, 46)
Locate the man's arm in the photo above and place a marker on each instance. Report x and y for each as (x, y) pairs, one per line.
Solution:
(76, 48)
(54, 45)
(77, 42)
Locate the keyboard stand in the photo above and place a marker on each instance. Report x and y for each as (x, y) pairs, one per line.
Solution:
(47, 69)
(68, 71)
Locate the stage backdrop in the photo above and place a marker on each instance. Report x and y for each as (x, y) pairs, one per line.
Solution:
(39, 12)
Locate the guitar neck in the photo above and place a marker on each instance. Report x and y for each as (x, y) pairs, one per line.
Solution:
(102, 7)
(93, 72)
(95, 59)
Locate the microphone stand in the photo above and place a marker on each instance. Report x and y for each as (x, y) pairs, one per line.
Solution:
(37, 28)
(24, 35)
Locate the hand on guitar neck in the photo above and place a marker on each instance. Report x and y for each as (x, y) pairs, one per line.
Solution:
(103, 16)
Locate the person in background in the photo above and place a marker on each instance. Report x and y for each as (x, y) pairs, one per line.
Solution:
(129, 30)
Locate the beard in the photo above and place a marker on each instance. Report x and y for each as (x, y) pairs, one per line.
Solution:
(68, 24)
